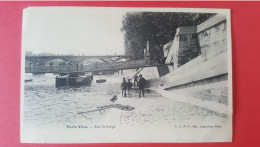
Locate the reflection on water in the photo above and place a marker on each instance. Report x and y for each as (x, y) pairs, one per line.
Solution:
(45, 104)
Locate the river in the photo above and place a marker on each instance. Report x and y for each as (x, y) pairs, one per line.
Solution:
(45, 104)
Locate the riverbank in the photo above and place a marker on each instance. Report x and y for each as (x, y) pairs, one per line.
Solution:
(167, 107)
(211, 96)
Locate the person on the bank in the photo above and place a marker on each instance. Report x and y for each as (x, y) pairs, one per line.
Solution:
(136, 80)
(124, 87)
(77, 67)
(142, 83)
(81, 66)
(129, 87)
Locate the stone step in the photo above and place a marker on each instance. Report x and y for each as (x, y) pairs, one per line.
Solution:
(162, 70)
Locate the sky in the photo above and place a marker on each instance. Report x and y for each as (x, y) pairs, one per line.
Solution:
(73, 30)
(80, 30)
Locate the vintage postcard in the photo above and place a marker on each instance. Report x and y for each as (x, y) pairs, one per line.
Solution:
(126, 75)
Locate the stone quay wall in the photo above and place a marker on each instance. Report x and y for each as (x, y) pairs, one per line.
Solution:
(184, 47)
(212, 61)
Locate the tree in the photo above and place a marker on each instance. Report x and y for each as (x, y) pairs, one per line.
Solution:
(157, 27)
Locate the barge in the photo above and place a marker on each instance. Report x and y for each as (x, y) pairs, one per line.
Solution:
(74, 79)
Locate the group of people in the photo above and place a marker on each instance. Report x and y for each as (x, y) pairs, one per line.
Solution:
(140, 82)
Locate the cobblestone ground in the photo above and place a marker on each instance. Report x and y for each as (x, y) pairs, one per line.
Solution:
(155, 109)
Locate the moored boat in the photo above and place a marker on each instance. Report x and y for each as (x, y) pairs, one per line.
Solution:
(74, 79)
(28, 80)
(101, 80)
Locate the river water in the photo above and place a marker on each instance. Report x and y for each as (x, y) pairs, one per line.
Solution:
(45, 104)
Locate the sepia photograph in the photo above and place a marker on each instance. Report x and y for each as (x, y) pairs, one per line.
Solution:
(126, 75)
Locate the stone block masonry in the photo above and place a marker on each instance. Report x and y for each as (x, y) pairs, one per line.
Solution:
(212, 36)
(185, 46)
(198, 53)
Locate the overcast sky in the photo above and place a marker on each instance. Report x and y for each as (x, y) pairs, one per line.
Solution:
(73, 30)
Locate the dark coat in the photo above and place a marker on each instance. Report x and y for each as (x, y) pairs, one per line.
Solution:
(142, 83)
(129, 85)
(124, 85)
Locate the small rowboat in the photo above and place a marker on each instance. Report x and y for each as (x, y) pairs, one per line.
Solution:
(101, 80)
(28, 80)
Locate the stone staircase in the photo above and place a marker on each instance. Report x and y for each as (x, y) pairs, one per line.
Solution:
(136, 73)
(149, 94)
(162, 70)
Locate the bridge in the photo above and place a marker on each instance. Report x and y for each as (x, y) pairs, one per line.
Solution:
(34, 60)
(92, 67)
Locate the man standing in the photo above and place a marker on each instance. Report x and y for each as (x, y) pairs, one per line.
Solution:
(136, 80)
(124, 87)
(129, 87)
(142, 83)
(77, 66)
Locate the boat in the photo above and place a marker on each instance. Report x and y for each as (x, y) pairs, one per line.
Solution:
(101, 80)
(38, 74)
(74, 79)
(28, 80)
